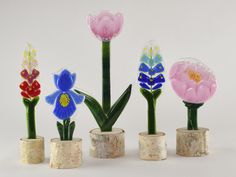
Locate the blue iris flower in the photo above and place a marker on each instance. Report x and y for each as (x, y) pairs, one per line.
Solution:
(64, 98)
(151, 69)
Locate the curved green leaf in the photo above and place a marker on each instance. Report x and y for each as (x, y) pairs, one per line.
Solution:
(95, 108)
(117, 109)
(71, 130)
(60, 129)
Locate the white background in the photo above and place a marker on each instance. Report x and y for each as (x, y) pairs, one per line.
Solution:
(203, 29)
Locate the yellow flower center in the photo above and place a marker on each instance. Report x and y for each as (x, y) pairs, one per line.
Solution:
(64, 100)
(195, 76)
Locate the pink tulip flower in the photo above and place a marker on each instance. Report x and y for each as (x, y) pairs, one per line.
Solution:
(105, 26)
(192, 81)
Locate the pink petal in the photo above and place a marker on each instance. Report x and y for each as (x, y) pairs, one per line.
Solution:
(203, 93)
(179, 87)
(213, 89)
(190, 96)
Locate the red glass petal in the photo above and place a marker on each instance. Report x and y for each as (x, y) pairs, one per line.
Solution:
(35, 85)
(36, 93)
(30, 91)
(24, 85)
(25, 95)
(24, 74)
(35, 73)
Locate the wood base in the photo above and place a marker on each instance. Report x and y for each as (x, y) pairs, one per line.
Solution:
(107, 144)
(192, 143)
(32, 150)
(65, 154)
(152, 147)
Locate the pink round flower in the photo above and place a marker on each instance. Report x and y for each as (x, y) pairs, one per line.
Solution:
(106, 25)
(192, 81)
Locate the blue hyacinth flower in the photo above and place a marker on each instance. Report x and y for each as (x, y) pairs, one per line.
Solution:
(64, 98)
(150, 70)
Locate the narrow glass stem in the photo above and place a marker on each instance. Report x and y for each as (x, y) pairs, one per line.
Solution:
(192, 115)
(106, 93)
(151, 116)
(30, 119)
(66, 124)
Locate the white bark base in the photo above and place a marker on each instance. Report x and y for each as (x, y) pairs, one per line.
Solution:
(32, 150)
(152, 147)
(65, 154)
(192, 143)
(107, 144)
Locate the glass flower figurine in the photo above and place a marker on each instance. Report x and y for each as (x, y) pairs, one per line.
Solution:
(105, 27)
(30, 88)
(151, 80)
(193, 82)
(65, 100)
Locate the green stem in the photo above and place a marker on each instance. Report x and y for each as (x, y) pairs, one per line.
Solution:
(151, 116)
(30, 119)
(66, 124)
(151, 97)
(192, 115)
(106, 93)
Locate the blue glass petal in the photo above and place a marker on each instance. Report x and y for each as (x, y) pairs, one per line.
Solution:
(56, 77)
(151, 71)
(50, 99)
(143, 67)
(65, 106)
(143, 85)
(158, 68)
(73, 77)
(152, 81)
(143, 77)
(157, 59)
(76, 97)
(65, 81)
(157, 86)
(159, 78)
(145, 59)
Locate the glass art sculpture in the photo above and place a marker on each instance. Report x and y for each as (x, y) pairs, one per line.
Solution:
(32, 147)
(65, 99)
(193, 82)
(151, 79)
(105, 27)
(30, 88)
(152, 144)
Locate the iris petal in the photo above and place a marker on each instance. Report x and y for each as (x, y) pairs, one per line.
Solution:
(64, 110)
(76, 97)
(56, 77)
(50, 99)
(65, 80)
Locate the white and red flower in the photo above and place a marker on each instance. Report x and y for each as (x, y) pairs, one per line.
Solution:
(30, 87)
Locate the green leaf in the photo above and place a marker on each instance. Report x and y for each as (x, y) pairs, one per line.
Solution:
(117, 109)
(35, 101)
(71, 130)
(60, 129)
(95, 108)
(146, 93)
(156, 93)
(27, 102)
